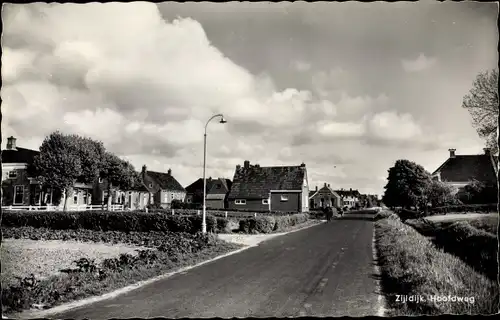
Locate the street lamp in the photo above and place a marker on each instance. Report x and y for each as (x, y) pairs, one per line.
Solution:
(204, 221)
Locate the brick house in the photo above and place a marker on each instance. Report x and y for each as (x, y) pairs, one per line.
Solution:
(324, 197)
(350, 198)
(217, 195)
(194, 192)
(459, 170)
(280, 188)
(20, 189)
(163, 186)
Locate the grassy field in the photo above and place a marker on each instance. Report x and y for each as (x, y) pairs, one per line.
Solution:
(411, 265)
(486, 222)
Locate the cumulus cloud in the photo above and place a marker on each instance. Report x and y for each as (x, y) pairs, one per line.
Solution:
(419, 64)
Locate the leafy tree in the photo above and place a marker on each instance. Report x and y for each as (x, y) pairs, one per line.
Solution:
(369, 202)
(66, 159)
(482, 104)
(441, 194)
(118, 173)
(406, 185)
(477, 192)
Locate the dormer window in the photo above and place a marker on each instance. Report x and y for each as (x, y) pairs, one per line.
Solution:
(100, 179)
(12, 174)
(150, 185)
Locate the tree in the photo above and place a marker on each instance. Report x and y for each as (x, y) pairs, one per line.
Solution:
(441, 194)
(477, 192)
(406, 185)
(482, 104)
(66, 159)
(118, 173)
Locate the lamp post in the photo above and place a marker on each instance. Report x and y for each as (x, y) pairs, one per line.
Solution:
(204, 219)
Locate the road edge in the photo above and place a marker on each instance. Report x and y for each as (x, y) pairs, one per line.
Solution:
(381, 309)
(30, 314)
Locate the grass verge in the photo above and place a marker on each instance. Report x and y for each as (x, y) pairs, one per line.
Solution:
(411, 265)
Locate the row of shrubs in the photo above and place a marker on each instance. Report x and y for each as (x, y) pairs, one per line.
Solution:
(126, 221)
(129, 221)
(268, 224)
(490, 207)
(411, 265)
(184, 211)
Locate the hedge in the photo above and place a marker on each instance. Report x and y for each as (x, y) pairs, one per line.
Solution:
(268, 224)
(126, 221)
(405, 214)
(490, 207)
(220, 211)
(476, 247)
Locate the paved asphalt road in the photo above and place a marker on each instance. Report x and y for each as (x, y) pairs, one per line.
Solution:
(325, 270)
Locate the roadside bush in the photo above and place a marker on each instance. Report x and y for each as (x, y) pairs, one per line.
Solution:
(126, 221)
(267, 224)
(405, 214)
(491, 207)
(385, 214)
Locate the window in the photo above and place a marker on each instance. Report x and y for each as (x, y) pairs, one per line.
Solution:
(172, 196)
(18, 194)
(150, 185)
(12, 174)
(104, 196)
(100, 180)
(84, 197)
(284, 197)
(75, 197)
(265, 201)
(188, 200)
(240, 201)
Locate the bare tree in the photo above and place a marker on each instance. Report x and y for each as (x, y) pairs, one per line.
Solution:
(482, 104)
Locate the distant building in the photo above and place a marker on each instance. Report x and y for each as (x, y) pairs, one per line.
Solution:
(324, 197)
(350, 198)
(163, 186)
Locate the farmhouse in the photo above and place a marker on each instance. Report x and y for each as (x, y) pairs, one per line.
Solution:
(324, 197)
(459, 170)
(279, 188)
(217, 195)
(350, 198)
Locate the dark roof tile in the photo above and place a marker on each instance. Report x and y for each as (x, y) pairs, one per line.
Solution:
(468, 167)
(256, 182)
(20, 155)
(165, 181)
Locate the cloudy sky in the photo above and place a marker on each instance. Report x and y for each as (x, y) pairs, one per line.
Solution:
(347, 88)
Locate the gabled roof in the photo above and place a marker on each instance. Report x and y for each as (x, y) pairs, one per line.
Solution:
(324, 189)
(224, 186)
(19, 155)
(165, 181)
(463, 168)
(348, 193)
(256, 182)
(197, 186)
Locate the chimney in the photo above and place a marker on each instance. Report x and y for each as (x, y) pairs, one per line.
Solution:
(257, 165)
(143, 173)
(350, 189)
(246, 164)
(316, 188)
(11, 143)
(303, 165)
(452, 152)
(487, 151)
(238, 167)
(325, 184)
(328, 185)
(169, 172)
